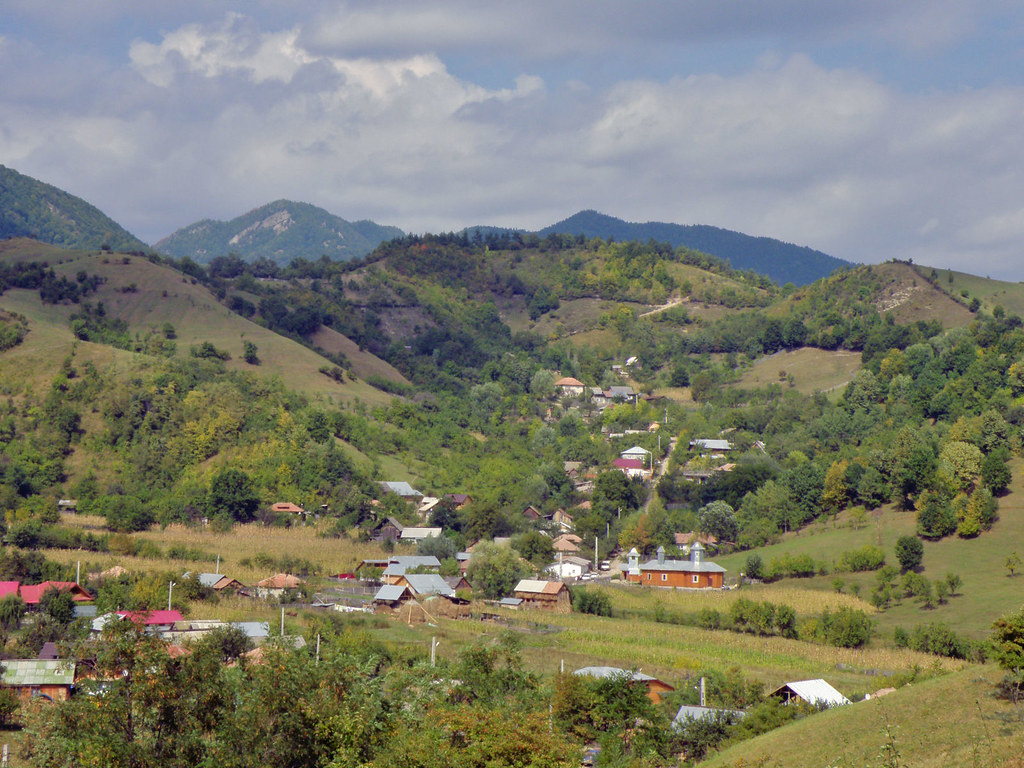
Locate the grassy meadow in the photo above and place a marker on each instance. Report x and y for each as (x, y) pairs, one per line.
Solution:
(813, 370)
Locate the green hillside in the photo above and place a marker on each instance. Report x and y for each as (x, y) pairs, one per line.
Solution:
(280, 232)
(31, 208)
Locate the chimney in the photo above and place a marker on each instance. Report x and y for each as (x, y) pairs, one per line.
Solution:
(661, 555)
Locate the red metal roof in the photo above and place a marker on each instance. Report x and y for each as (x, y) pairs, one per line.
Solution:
(149, 618)
(32, 593)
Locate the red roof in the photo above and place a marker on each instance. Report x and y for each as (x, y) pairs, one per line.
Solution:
(32, 593)
(629, 464)
(9, 588)
(569, 381)
(287, 506)
(149, 618)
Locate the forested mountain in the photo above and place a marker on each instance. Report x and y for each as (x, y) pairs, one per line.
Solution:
(782, 262)
(279, 231)
(31, 208)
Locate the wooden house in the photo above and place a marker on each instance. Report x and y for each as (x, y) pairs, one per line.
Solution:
(545, 595)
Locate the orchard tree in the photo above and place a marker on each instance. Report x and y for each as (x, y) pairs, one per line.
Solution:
(909, 552)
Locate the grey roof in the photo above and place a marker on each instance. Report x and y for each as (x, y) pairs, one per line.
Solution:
(621, 391)
(209, 579)
(687, 712)
(605, 672)
(253, 629)
(400, 487)
(39, 672)
(711, 445)
(511, 601)
(815, 692)
(429, 584)
(401, 563)
(390, 592)
(85, 611)
(683, 566)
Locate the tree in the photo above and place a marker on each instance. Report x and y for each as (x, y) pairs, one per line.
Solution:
(249, 353)
(58, 605)
(909, 552)
(836, 493)
(12, 608)
(755, 567)
(495, 570)
(231, 494)
(935, 517)
(1007, 643)
(1012, 563)
(718, 519)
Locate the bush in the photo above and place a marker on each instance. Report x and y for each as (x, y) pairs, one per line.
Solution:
(593, 602)
(846, 628)
(909, 552)
(867, 558)
(799, 566)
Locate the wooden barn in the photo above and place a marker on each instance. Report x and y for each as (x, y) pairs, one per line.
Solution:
(546, 595)
(50, 679)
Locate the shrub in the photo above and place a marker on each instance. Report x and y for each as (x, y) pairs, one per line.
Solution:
(909, 552)
(593, 602)
(846, 628)
(867, 558)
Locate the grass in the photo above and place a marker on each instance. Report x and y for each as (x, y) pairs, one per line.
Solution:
(161, 295)
(952, 720)
(987, 590)
(813, 370)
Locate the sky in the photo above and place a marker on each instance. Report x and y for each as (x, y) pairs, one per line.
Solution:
(868, 129)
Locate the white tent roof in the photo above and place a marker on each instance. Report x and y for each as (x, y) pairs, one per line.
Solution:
(816, 692)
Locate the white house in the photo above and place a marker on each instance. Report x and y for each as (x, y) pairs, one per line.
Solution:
(570, 567)
(637, 452)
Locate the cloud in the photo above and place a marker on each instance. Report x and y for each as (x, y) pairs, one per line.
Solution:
(363, 113)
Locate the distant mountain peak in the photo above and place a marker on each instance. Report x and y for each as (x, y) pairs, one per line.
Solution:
(280, 231)
(782, 262)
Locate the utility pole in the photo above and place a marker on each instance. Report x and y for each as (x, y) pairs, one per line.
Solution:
(170, 590)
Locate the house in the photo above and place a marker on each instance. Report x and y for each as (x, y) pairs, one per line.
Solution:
(288, 508)
(562, 519)
(411, 533)
(545, 595)
(531, 513)
(151, 621)
(570, 387)
(655, 687)
(388, 529)
(48, 651)
(714, 447)
(399, 564)
(624, 394)
(567, 543)
(632, 468)
(427, 505)
(218, 582)
(572, 469)
(50, 679)
(422, 584)
(695, 573)
(693, 537)
(278, 585)
(33, 593)
(67, 505)
(457, 500)
(403, 489)
(569, 567)
(637, 452)
(817, 693)
(458, 583)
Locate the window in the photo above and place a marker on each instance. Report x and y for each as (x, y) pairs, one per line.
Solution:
(664, 577)
(696, 578)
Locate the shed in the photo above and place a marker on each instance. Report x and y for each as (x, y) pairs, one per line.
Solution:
(51, 679)
(817, 693)
(655, 687)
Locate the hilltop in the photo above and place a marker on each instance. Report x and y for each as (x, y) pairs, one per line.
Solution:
(782, 262)
(279, 231)
(32, 208)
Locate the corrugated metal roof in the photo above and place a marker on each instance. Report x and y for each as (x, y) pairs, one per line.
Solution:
(390, 592)
(688, 712)
(538, 587)
(711, 445)
(815, 692)
(253, 629)
(428, 584)
(24, 672)
(400, 487)
(511, 601)
(605, 672)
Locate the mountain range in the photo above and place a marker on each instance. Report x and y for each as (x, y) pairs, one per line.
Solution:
(284, 230)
